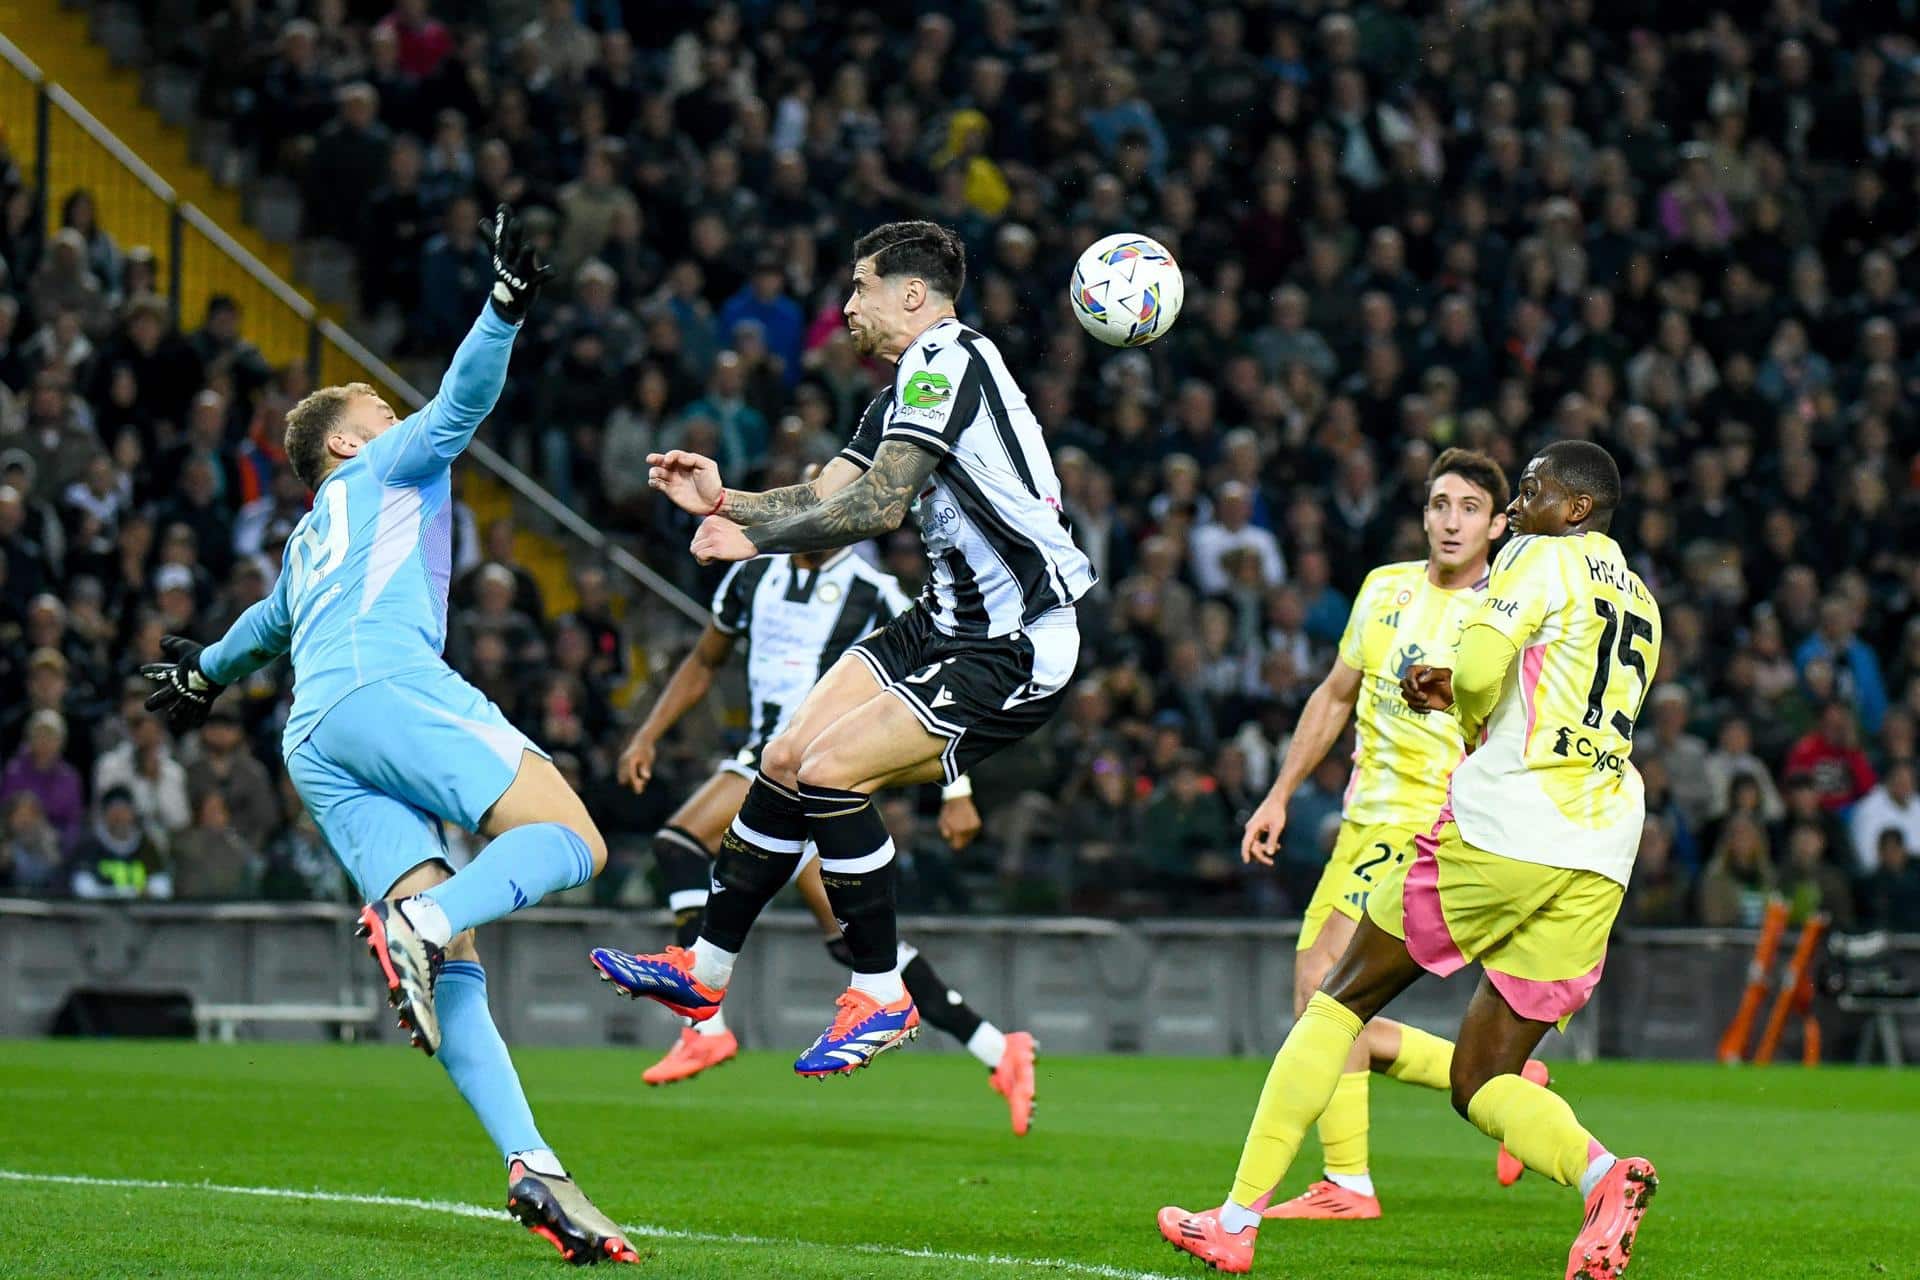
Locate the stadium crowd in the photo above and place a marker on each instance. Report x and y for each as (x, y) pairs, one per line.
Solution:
(1404, 225)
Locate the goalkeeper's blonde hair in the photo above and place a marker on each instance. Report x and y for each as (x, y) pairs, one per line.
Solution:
(310, 422)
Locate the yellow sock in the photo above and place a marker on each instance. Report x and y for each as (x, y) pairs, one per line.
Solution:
(1343, 1125)
(1303, 1077)
(1425, 1059)
(1536, 1124)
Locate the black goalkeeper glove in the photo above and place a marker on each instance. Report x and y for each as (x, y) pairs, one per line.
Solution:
(518, 272)
(185, 696)
(842, 953)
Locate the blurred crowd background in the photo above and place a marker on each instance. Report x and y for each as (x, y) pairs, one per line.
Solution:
(1686, 233)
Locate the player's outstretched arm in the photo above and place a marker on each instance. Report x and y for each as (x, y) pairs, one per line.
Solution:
(685, 688)
(692, 482)
(441, 430)
(194, 675)
(1321, 722)
(874, 503)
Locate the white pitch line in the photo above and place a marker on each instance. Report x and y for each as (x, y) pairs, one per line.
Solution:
(461, 1210)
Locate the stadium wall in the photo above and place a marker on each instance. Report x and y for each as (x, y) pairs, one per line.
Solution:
(1081, 985)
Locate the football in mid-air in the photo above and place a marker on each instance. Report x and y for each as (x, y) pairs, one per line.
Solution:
(1127, 290)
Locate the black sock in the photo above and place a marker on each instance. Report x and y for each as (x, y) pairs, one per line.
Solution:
(684, 866)
(939, 1004)
(856, 866)
(757, 857)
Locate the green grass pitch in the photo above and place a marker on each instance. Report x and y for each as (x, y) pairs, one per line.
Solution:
(907, 1170)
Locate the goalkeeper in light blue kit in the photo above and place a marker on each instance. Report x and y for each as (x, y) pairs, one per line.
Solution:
(385, 741)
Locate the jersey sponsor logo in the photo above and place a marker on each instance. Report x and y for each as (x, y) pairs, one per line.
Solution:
(1405, 657)
(1579, 746)
(946, 517)
(1504, 607)
(926, 390)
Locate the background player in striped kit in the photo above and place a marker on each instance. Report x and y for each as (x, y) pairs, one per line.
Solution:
(795, 616)
(983, 662)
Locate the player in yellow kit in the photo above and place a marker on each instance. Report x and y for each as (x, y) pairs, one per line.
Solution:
(1522, 872)
(1405, 613)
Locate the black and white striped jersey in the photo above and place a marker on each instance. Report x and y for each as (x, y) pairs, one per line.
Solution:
(795, 623)
(997, 541)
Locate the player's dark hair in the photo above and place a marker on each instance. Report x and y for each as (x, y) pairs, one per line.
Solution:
(924, 249)
(1584, 467)
(310, 422)
(1477, 469)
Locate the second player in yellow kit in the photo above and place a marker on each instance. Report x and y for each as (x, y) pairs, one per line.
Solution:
(1404, 614)
(1523, 871)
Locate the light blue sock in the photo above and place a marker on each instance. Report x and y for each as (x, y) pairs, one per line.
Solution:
(516, 870)
(476, 1057)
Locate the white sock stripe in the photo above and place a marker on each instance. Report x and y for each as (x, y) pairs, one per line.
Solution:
(674, 835)
(686, 899)
(855, 866)
(761, 840)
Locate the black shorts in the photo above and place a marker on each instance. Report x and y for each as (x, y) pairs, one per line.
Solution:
(980, 695)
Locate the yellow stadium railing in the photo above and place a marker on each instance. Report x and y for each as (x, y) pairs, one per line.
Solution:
(53, 137)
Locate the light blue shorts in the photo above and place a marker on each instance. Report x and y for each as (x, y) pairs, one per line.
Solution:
(392, 760)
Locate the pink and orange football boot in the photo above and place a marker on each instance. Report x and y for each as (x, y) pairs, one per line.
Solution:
(1201, 1235)
(1614, 1210)
(1326, 1201)
(1013, 1079)
(691, 1054)
(1506, 1165)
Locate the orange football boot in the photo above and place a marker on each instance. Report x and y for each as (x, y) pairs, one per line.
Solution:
(1013, 1079)
(1201, 1235)
(691, 1054)
(1614, 1210)
(1324, 1201)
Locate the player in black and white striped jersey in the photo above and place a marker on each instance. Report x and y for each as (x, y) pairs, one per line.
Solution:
(982, 663)
(795, 616)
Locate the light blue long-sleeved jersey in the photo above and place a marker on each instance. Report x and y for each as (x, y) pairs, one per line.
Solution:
(362, 593)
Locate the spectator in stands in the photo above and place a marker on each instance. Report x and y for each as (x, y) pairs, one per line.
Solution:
(104, 258)
(1739, 877)
(1661, 894)
(1892, 805)
(30, 859)
(210, 859)
(1830, 753)
(1183, 847)
(117, 858)
(1232, 530)
(1812, 882)
(64, 282)
(424, 39)
(1838, 642)
(1890, 896)
(225, 766)
(493, 613)
(40, 770)
(453, 268)
(145, 766)
(1684, 754)
(1732, 759)
(348, 164)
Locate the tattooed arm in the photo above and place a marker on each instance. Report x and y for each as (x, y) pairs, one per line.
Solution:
(745, 508)
(875, 503)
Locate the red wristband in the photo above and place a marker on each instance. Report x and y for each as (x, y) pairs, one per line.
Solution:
(718, 503)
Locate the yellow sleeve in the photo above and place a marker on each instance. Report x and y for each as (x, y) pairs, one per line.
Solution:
(1480, 665)
(1520, 590)
(1357, 623)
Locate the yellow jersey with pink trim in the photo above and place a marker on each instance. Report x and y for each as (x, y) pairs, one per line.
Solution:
(1401, 759)
(1551, 779)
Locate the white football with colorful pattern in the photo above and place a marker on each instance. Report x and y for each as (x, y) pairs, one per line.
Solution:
(1127, 290)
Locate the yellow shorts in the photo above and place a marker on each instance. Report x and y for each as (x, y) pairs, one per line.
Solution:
(1363, 858)
(1539, 932)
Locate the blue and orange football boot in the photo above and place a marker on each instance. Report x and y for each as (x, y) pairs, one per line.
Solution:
(409, 965)
(553, 1207)
(862, 1030)
(666, 978)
